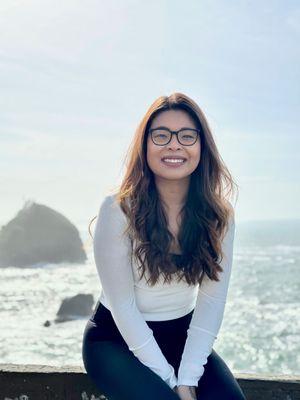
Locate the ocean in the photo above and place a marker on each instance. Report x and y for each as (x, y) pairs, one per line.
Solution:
(261, 326)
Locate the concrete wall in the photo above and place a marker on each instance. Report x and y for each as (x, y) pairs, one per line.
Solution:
(42, 382)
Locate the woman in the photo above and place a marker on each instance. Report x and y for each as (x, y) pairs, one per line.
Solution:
(163, 247)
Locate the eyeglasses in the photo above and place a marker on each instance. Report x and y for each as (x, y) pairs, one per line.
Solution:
(185, 136)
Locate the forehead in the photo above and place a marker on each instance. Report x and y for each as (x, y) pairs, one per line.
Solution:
(173, 119)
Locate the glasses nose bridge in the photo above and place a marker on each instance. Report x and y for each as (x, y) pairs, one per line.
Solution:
(174, 133)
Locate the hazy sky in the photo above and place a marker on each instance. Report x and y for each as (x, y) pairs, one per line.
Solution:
(77, 77)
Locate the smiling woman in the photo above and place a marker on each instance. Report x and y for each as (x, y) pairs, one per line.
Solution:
(163, 248)
(172, 141)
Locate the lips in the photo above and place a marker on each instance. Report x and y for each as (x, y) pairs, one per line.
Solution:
(173, 162)
(173, 158)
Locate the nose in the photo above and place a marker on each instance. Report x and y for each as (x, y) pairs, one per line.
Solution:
(174, 141)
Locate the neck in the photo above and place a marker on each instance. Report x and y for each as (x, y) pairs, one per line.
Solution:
(172, 193)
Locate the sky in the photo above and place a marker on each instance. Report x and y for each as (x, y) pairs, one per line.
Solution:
(77, 77)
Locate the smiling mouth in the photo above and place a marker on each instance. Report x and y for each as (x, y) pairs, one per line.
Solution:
(173, 161)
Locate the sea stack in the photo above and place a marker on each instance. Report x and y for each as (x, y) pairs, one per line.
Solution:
(39, 235)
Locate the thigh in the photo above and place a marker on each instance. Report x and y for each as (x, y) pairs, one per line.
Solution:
(217, 381)
(119, 375)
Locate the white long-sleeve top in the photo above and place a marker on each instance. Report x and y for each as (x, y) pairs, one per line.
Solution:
(132, 301)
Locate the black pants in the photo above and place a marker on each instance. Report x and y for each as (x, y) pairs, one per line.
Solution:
(119, 375)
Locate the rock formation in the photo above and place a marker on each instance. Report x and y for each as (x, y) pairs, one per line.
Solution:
(75, 307)
(39, 235)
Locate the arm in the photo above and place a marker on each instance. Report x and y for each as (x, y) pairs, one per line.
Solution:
(113, 261)
(207, 317)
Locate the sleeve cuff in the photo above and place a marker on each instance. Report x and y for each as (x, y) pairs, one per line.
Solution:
(190, 379)
(172, 379)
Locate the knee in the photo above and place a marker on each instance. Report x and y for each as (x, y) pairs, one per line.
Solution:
(241, 396)
(224, 392)
(236, 394)
(92, 356)
(86, 356)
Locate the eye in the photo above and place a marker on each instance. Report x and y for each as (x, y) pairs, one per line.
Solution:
(160, 134)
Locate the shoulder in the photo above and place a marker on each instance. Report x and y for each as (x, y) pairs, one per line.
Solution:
(229, 230)
(110, 208)
(109, 201)
(231, 212)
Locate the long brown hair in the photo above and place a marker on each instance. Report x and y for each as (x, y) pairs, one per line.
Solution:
(205, 215)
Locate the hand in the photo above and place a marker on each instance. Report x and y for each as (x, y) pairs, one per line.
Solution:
(186, 392)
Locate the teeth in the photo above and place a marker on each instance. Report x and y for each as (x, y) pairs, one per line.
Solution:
(173, 160)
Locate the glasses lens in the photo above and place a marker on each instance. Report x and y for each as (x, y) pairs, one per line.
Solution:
(187, 137)
(160, 136)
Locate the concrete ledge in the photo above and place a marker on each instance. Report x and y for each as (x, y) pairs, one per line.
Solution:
(43, 382)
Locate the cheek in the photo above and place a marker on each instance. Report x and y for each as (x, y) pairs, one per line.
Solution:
(152, 153)
(152, 148)
(149, 150)
(196, 153)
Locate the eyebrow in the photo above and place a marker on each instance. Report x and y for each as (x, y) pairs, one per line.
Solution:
(184, 127)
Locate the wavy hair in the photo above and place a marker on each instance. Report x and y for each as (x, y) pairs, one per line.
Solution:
(205, 214)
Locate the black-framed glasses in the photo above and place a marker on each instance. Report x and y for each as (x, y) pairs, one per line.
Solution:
(163, 135)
